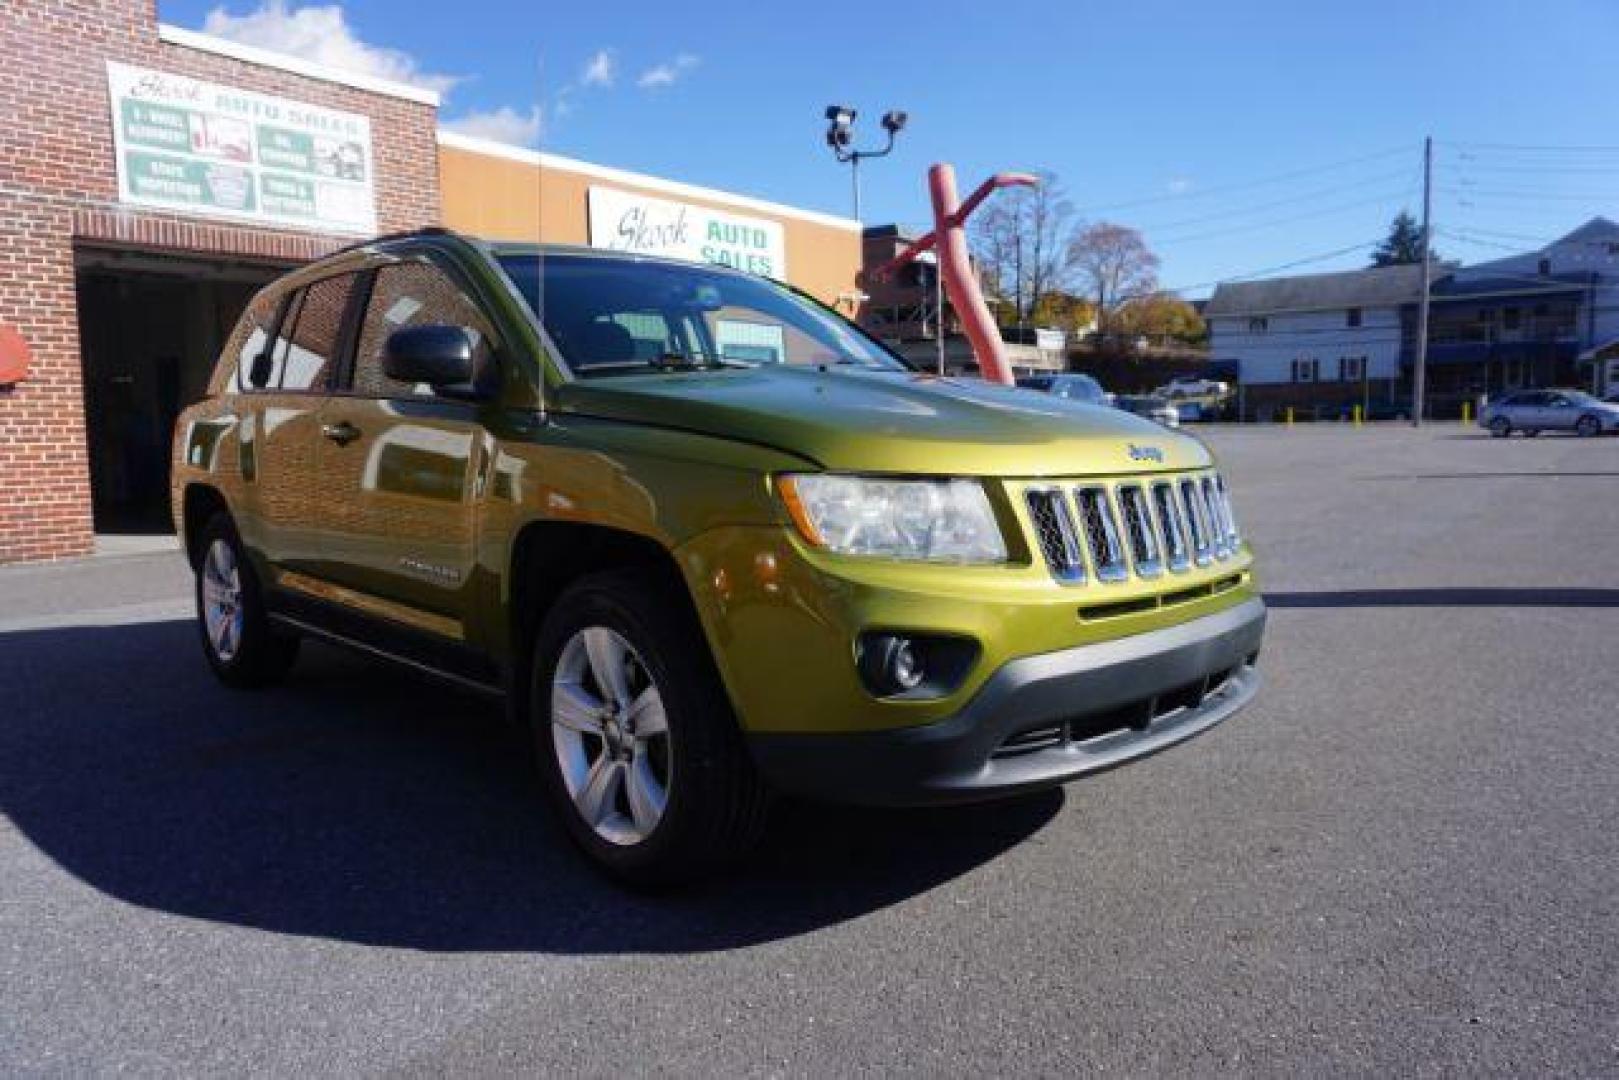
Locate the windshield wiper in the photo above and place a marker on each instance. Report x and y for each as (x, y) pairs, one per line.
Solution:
(672, 361)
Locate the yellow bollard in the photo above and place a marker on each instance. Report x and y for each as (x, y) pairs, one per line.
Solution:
(1467, 413)
(1290, 416)
(1357, 416)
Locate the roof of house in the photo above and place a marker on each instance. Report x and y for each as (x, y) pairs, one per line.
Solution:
(1597, 229)
(1474, 285)
(1373, 287)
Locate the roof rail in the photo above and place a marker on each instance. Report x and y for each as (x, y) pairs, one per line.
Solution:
(405, 234)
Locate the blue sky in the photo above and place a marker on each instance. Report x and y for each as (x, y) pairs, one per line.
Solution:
(1237, 136)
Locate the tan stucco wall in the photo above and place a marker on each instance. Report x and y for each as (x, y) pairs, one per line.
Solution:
(500, 198)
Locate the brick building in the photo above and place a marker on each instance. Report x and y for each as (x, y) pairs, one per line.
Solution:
(153, 178)
(122, 302)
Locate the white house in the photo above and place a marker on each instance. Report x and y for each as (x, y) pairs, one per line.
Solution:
(1315, 340)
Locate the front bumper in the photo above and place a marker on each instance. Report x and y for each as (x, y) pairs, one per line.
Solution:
(1040, 720)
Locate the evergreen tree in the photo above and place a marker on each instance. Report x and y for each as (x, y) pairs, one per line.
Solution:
(1403, 244)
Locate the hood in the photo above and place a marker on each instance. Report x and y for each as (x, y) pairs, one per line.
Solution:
(892, 422)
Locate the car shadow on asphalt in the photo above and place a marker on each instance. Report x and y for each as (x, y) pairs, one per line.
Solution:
(361, 804)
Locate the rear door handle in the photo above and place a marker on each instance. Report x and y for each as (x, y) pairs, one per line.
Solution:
(342, 433)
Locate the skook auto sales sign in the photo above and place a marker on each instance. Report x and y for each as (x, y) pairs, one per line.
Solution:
(200, 148)
(626, 221)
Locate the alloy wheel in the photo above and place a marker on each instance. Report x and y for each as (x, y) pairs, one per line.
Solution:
(222, 600)
(611, 736)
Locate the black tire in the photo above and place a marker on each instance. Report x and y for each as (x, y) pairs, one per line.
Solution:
(261, 655)
(1530, 433)
(1500, 427)
(716, 804)
(1588, 427)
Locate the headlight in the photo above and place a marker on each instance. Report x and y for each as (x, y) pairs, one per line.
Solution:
(937, 520)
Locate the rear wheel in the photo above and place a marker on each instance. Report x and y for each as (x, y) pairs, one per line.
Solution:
(635, 736)
(1588, 427)
(237, 638)
(1500, 427)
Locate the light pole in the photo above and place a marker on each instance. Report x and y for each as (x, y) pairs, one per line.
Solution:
(840, 133)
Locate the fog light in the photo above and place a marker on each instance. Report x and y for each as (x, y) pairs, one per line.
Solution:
(904, 666)
(913, 666)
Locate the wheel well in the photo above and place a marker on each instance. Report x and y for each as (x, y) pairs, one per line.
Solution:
(201, 503)
(548, 556)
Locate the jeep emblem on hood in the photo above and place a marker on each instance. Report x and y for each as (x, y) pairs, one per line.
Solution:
(1146, 453)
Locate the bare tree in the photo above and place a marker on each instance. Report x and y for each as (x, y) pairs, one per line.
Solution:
(1114, 264)
(1021, 241)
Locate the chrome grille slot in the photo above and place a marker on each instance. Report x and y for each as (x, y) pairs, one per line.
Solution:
(1101, 534)
(1216, 518)
(1233, 534)
(1197, 521)
(1139, 536)
(1172, 526)
(1054, 530)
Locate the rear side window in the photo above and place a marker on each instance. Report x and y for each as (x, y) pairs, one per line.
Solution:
(308, 351)
(250, 338)
(308, 340)
(412, 294)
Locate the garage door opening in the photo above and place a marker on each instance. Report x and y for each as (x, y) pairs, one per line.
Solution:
(150, 328)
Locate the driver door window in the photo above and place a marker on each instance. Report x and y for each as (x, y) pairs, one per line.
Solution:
(410, 294)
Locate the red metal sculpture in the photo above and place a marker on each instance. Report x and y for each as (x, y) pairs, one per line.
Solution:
(949, 237)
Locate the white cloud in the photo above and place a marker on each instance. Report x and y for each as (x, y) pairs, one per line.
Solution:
(599, 70)
(1180, 185)
(662, 75)
(504, 124)
(321, 34)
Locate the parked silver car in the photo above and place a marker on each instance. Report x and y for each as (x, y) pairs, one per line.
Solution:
(1153, 408)
(1534, 411)
(1076, 387)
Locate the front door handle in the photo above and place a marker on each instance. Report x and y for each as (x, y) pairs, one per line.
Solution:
(342, 433)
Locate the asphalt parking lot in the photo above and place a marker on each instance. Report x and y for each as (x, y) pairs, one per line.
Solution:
(1403, 858)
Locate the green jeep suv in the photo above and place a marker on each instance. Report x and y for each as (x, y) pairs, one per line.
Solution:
(706, 539)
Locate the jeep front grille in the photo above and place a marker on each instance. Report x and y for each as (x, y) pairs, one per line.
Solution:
(1197, 521)
(1138, 531)
(1102, 534)
(1109, 532)
(1054, 530)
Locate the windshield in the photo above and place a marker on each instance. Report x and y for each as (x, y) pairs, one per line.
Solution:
(1580, 397)
(612, 315)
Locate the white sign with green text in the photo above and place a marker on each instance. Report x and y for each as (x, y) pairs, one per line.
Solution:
(627, 221)
(197, 147)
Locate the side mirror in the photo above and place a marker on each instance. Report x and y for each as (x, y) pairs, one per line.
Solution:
(439, 355)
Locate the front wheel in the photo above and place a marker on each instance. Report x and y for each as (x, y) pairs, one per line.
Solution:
(635, 737)
(1588, 427)
(237, 638)
(1500, 427)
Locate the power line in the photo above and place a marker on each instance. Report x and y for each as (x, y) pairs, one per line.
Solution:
(1520, 193)
(1292, 199)
(1573, 170)
(1221, 189)
(1535, 148)
(1538, 241)
(1306, 261)
(1286, 220)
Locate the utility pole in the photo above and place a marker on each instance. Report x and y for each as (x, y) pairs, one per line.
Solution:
(854, 173)
(1419, 370)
